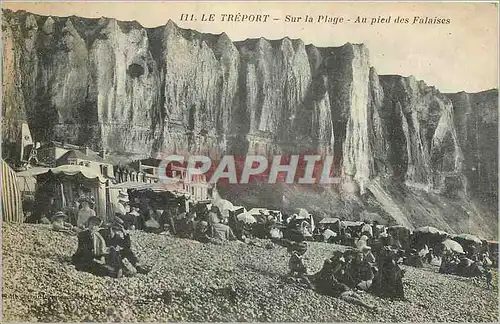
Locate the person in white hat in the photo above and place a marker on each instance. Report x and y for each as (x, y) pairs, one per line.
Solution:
(368, 255)
(122, 205)
(85, 212)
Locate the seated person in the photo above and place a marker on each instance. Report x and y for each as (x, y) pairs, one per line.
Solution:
(296, 263)
(134, 212)
(92, 254)
(183, 224)
(201, 232)
(85, 212)
(368, 255)
(151, 225)
(59, 224)
(413, 259)
(188, 225)
(326, 282)
(246, 230)
(222, 232)
(119, 244)
(363, 273)
(128, 220)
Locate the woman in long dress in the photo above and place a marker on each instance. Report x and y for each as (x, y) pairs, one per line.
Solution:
(85, 213)
(326, 282)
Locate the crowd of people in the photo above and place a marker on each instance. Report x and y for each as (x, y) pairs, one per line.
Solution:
(371, 262)
(348, 273)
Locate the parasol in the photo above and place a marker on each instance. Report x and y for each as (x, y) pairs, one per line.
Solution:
(246, 218)
(328, 233)
(398, 227)
(224, 206)
(429, 230)
(302, 214)
(329, 220)
(453, 246)
(468, 237)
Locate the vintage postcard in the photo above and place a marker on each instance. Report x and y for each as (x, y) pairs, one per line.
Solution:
(249, 162)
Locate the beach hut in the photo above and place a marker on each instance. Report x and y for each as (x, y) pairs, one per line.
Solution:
(331, 223)
(12, 211)
(66, 183)
(163, 195)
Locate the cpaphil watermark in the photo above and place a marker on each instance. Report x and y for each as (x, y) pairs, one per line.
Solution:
(300, 169)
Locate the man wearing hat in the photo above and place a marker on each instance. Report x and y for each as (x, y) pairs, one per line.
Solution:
(59, 224)
(201, 232)
(92, 254)
(118, 241)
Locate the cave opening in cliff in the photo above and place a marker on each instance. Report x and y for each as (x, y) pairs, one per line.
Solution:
(135, 70)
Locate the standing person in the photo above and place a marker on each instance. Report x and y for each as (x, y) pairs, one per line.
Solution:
(376, 230)
(85, 213)
(488, 276)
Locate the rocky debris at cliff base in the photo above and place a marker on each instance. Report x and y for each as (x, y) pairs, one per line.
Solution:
(190, 281)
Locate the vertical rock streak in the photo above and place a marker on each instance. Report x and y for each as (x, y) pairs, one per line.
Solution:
(357, 160)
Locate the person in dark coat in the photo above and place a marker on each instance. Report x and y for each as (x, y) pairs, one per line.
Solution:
(92, 254)
(388, 280)
(168, 219)
(327, 283)
(201, 232)
(119, 244)
(128, 219)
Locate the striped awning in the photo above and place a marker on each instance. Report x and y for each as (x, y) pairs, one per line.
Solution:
(12, 210)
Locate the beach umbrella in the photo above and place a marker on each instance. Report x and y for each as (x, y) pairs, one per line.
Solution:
(328, 233)
(302, 214)
(246, 218)
(398, 227)
(429, 230)
(224, 204)
(468, 237)
(328, 220)
(453, 246)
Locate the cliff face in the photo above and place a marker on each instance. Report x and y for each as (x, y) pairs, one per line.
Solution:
(476, 121)
(144, 92)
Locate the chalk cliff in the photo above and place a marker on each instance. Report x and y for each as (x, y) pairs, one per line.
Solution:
(147, 92)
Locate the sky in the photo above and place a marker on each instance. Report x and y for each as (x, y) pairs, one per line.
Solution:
(459, 56)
